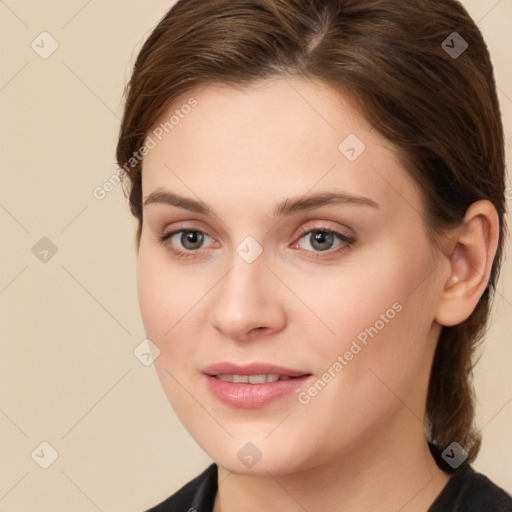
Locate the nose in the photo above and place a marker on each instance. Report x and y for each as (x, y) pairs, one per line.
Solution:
(248, 302)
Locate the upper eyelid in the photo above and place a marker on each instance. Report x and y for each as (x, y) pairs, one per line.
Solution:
(301, 230)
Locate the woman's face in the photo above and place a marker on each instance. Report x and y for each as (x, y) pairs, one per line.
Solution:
(315, 269)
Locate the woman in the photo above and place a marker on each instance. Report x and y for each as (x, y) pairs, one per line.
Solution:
(319, 186)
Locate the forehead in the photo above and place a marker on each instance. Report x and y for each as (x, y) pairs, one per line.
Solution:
(284, 136)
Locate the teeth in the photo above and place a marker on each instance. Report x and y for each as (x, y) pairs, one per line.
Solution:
(252, 379)
(257, 379)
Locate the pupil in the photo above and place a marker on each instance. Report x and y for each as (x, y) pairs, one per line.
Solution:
(191, 237)
(321, 237)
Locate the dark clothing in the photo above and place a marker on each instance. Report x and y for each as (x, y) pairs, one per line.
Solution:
(466, 491)
(198, 495)
(469, 491)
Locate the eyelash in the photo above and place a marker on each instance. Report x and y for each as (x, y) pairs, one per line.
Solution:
(349, 241)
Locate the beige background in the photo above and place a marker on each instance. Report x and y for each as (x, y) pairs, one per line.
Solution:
(69, 326)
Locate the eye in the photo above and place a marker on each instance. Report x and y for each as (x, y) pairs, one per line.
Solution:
(190, 239)
(322, 239)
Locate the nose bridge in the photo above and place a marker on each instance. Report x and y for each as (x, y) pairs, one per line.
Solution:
(246, 297)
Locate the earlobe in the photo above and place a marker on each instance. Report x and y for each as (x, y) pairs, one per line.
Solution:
(470, 263)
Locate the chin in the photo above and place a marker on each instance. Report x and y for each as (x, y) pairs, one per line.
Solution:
(281, 455)
(264, 466)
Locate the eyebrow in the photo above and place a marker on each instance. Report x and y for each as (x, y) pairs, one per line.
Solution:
(287, 207)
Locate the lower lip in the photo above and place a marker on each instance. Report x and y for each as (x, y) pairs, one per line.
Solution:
(252, 396)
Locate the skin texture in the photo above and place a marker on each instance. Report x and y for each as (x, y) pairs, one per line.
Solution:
(359, 441)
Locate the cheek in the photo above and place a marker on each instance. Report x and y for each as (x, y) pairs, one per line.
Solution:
(174, 303)
(364, 296)
(381, 316)
(382, 319)
(165, 293)
(153, 302)
(164, 299)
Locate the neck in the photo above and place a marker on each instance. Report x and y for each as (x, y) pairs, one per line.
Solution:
(393, 472)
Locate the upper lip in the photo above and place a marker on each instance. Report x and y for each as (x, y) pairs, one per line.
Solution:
(227, 368)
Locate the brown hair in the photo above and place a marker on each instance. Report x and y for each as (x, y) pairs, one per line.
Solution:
(439, 109)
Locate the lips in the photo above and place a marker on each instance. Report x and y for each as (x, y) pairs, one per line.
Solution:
(252, 369)
(252, 386)
(253, 379)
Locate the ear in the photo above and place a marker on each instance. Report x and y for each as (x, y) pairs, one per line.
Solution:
(469, 260)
